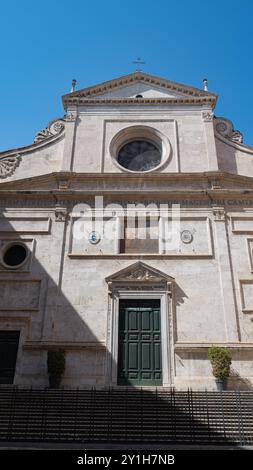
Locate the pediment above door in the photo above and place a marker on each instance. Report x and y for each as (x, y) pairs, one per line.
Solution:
(139, 273)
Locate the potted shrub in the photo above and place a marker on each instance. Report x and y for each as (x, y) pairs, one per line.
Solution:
(55, 367)
(220, 359)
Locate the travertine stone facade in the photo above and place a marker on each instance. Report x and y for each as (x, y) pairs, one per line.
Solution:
(66, 293)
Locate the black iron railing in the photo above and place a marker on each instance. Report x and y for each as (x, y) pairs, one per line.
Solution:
(126, 415)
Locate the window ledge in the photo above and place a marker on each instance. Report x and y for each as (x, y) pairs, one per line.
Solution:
(138, 256)
(199, 346)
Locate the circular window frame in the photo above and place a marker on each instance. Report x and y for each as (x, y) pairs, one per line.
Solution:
(146, 133)
(98, 239)
(6, 247)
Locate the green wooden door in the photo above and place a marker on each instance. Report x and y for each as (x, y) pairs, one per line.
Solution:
(139, 358)
(8, 355)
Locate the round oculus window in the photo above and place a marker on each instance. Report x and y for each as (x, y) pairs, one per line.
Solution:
(15, 255)
(139, 155)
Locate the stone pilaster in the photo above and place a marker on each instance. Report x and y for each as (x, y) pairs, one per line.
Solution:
(226, 276)
(69, 145)
(207, 117)
(55, 273)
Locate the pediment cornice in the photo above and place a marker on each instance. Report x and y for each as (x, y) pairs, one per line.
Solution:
(190, 94)
(141, 273)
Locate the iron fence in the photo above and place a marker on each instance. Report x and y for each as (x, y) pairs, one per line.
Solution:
(126, 415)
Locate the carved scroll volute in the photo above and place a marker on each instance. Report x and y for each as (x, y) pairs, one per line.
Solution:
(54, 128)
(225, 128)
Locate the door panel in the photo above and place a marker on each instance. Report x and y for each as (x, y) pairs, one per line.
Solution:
(139, 359)
(146, 320)
(146, 355)
(132, 320)
(133, 356)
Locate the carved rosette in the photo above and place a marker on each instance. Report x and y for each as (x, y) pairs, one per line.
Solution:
(54, 128)
(8, 165)
(225, 128)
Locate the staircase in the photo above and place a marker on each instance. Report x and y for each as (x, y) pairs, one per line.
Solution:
(126, 415)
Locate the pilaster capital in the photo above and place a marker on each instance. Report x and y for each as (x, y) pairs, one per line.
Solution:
(219, 214)
(207, 116)
(61, 213)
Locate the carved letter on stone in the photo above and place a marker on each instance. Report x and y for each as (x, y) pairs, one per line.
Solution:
(8, 165)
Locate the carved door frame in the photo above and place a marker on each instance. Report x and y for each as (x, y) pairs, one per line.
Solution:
(146, 284)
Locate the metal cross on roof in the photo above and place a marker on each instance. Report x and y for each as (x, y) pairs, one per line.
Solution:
(138, 61)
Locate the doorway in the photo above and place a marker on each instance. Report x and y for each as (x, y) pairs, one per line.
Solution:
(139, 345)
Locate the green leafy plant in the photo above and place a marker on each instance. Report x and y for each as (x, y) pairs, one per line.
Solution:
(56, 364)
(220, 359)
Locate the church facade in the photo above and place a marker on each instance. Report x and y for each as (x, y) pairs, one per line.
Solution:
(126, 240)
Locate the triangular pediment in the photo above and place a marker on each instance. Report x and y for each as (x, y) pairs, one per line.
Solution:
(139, 87)
(139, 272)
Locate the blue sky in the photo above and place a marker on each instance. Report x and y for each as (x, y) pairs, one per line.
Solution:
(45, 44)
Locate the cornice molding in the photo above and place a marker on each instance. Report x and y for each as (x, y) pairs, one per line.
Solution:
(144, 101)
(67, 345)
(87, 94)
(187, 198)
(136, 77)
(216, 183)
(139, 256)
(196, 346)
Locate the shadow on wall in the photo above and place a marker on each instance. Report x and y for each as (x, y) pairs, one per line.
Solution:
(32, 301)
(36, 299)
(236, 382)
(180, 295)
